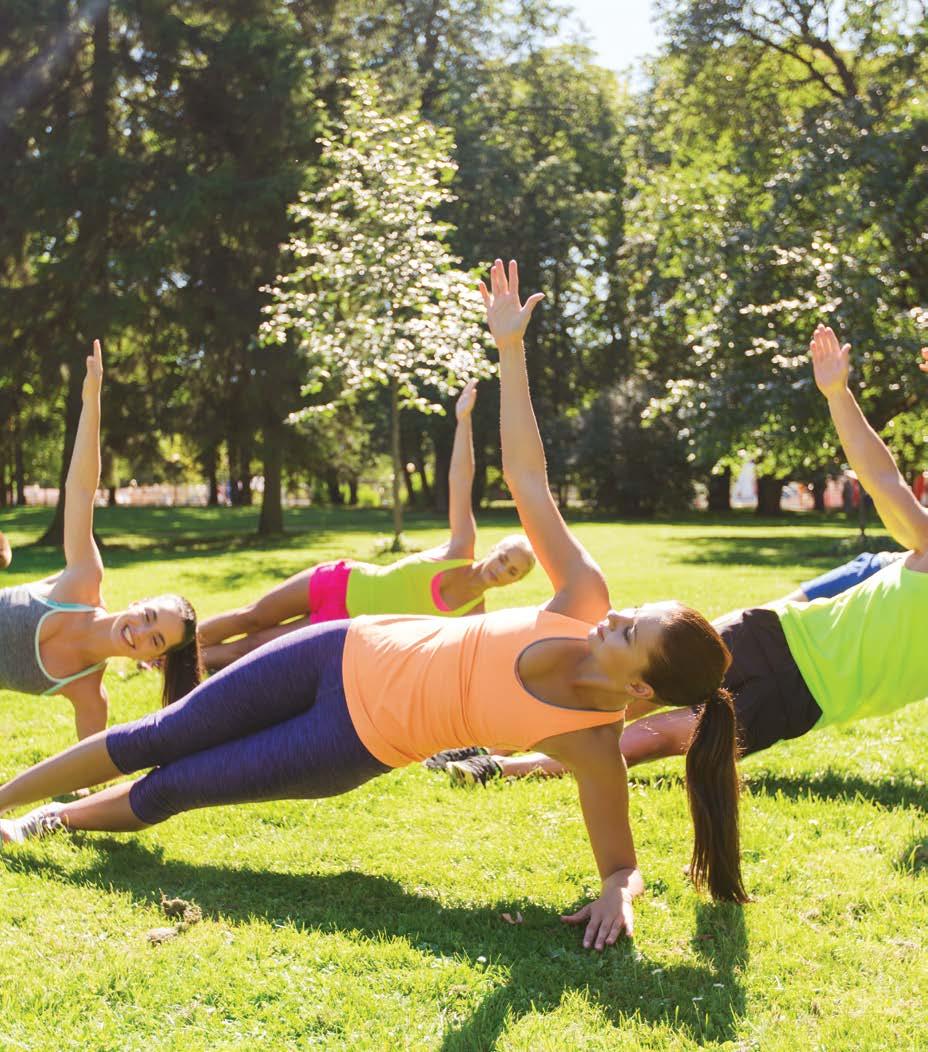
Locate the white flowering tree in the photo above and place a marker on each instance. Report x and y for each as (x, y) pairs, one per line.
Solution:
(375, 297)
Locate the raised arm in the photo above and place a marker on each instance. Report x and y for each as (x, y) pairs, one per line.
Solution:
(866, 452)
(83, 479)
(580, 589)
(461, 479)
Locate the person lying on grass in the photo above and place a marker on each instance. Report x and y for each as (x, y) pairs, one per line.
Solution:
(56, 635)
(798, 666)
(327, 707)
(445, 581)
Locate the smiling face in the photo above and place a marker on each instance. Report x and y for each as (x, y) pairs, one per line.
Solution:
(623, 644)
(149, 629)
(507, 562)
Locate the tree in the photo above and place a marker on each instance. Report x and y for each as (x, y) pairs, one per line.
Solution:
(375, 295)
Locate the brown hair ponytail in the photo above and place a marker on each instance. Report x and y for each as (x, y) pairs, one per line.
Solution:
(687, 669)
(712, 787)
(182, 666)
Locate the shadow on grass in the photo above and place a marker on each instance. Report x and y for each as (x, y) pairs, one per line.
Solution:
(542, 958)
(905, 789)
(773, 549)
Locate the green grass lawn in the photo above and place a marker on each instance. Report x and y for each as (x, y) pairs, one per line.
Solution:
(372, 921)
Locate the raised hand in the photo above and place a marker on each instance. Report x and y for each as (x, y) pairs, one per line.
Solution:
(506, 316)
(94, 378)
(467, 399)
(830, 361)
(924, 364)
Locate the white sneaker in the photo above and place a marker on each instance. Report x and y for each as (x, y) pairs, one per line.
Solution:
(38, 823)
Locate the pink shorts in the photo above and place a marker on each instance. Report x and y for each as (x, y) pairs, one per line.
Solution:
(328, 591)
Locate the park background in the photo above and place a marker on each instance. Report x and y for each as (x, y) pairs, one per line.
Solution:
(255, 205)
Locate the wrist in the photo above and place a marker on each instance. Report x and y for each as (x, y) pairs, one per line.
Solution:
(627, 882)
(838, 394)
(509, 344)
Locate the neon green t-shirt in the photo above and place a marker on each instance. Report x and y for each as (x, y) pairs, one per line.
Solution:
(860, 652)
(401, 588)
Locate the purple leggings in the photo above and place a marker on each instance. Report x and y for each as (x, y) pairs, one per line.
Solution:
(272, 726)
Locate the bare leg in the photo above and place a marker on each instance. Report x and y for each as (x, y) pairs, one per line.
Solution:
(87, 763)
(222, 654)
(107, 810)
(651, 738)
(799, 596)
(529, 763)
(290, 599)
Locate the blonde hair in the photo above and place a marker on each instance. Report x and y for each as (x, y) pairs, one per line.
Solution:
(520, 541)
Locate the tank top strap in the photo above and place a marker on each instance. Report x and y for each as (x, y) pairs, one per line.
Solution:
(57, 607)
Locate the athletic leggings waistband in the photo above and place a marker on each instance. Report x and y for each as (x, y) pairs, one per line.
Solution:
(272, 726)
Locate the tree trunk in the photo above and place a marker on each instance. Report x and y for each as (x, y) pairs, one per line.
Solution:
(412, 498)
(353, 490)
(397, 467)
(54, 535)
(442, 465)
(19, 469)
(719, 497)
(480, 476)
(769, 495)
(818, 494)
(272, 510)
(244, 473)
(418, 459)
(210, 464)
(333, 486)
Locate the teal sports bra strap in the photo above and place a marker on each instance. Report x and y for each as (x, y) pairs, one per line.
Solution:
(55, 607)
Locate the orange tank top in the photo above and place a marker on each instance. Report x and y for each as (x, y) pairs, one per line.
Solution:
(416, 685)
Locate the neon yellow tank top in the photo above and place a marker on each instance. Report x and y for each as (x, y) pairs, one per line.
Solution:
(402, 588)
(860, 652)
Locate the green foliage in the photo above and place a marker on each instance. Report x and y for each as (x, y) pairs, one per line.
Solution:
(632, 467)
(374, 291)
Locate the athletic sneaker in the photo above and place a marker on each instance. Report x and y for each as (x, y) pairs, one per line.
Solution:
(440, 761)
(38, 823)
(475, 770)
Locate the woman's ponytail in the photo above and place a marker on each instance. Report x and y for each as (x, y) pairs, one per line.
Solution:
(182, 667)
(713, 787)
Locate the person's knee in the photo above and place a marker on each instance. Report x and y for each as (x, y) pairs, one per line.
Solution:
(153, 800)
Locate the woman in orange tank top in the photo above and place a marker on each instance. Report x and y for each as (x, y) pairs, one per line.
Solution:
(323, 709)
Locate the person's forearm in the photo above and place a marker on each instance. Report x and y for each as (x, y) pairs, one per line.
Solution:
(84, 470)
(877, 471)
(523, 452)
(865, 450)
(461, 477)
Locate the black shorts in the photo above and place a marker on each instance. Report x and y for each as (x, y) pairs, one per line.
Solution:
(772, 701)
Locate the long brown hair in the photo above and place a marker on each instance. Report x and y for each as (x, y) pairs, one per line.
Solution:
(182, 665)
(687, 670)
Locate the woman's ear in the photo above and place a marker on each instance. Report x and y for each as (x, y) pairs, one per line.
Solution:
(639, 690)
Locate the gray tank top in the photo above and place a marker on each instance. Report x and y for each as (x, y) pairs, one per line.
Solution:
(21, 615)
